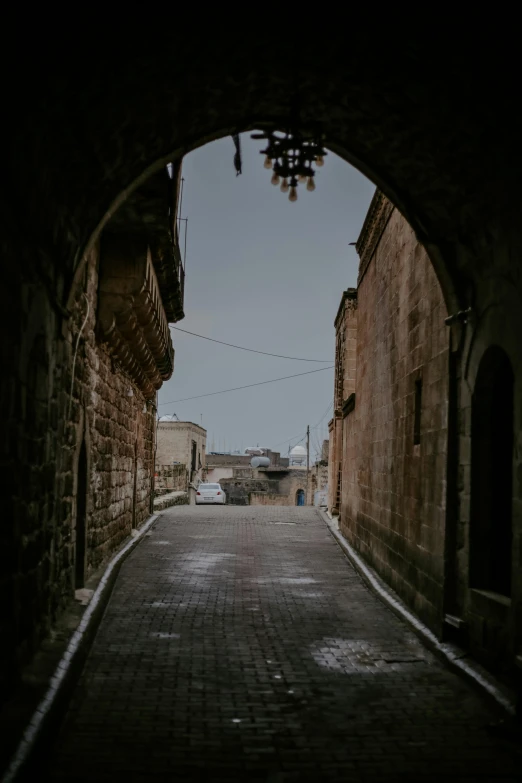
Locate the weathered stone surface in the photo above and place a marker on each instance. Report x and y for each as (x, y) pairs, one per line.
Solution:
(170, 478)
(240, 645)
(431, 131)
(171, 499)
(393, 492)
(50, 417)
(182, 442)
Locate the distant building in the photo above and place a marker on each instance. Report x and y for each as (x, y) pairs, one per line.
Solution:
(298, 456)
(256, 451)
(276, 484)
(182, 442)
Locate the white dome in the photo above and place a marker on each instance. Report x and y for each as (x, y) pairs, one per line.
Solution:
(298, 451)
(169, 417)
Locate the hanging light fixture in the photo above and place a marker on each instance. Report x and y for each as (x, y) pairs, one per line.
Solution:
(291, 155)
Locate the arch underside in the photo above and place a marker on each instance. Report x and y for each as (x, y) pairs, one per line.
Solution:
(433, 127)
(105, 122)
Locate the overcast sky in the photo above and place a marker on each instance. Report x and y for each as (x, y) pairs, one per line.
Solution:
(268, 274)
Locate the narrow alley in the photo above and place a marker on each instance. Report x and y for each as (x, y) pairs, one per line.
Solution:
(240, 644)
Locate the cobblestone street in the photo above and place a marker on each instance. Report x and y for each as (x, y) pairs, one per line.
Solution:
(239, 644)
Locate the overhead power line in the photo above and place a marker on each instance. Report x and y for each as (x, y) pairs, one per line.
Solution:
(289, 440)
(248, 386)
(252, 350)
(323, 416)
(286, 440)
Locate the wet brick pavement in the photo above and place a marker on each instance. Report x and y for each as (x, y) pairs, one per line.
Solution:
(239, 644)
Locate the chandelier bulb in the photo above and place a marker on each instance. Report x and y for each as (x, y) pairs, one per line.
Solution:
(319, 161)
(275, 179)
(293, 194)
(284, 185)
(301, 178)
(311, 184)
(268, 163)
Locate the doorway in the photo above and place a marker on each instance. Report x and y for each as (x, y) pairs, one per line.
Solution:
(81, 519)
(300, 497)
(492, 474)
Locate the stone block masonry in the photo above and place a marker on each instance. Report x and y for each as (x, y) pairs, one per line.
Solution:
(393, 443)
(240, 645)
(79, 476)
(170, 478)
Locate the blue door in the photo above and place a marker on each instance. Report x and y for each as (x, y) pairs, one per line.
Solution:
(300, 497)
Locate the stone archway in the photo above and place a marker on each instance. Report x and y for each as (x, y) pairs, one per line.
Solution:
(389, 117)
(90, 130)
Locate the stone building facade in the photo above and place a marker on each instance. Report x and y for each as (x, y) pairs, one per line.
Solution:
(344, 387)
(80, 476)
(284, 489)
(422, 470)
(185, 443)
(277, 484)
(389, 432)
(170, 478)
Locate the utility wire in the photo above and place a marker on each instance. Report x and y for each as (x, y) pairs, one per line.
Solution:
(289, 440)
(248, 386)
(286, 440)
(323, 416)
(252, 350)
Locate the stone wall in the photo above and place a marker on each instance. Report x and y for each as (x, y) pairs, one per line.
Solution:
(83, 438)
(239, 489)
(171, 499)
(344, 385)
(170, 478)
(218, 474)
(291, 482)
(236, 460)
(269, 499)
(256, 482)
(491, 618)
(394, 459)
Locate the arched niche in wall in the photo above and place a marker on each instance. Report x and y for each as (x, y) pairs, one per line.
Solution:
(300, 497)
(492, 436)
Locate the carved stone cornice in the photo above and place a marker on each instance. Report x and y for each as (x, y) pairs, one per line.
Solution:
(348, 302)
(374, 224)
(348, 405)
(149, 211)
(131, 317)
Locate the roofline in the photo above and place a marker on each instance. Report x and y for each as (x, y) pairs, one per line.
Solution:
(379, 212)
(350, 293)
(191, 423)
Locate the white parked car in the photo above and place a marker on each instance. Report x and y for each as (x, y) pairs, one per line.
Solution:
(210, 493)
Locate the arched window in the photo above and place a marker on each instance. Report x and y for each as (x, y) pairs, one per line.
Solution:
(492, 474)
(81, 519)
(300, 497)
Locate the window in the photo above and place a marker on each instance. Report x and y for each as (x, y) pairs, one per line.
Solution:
(194, 455)
(417, 412)
(492, 474)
